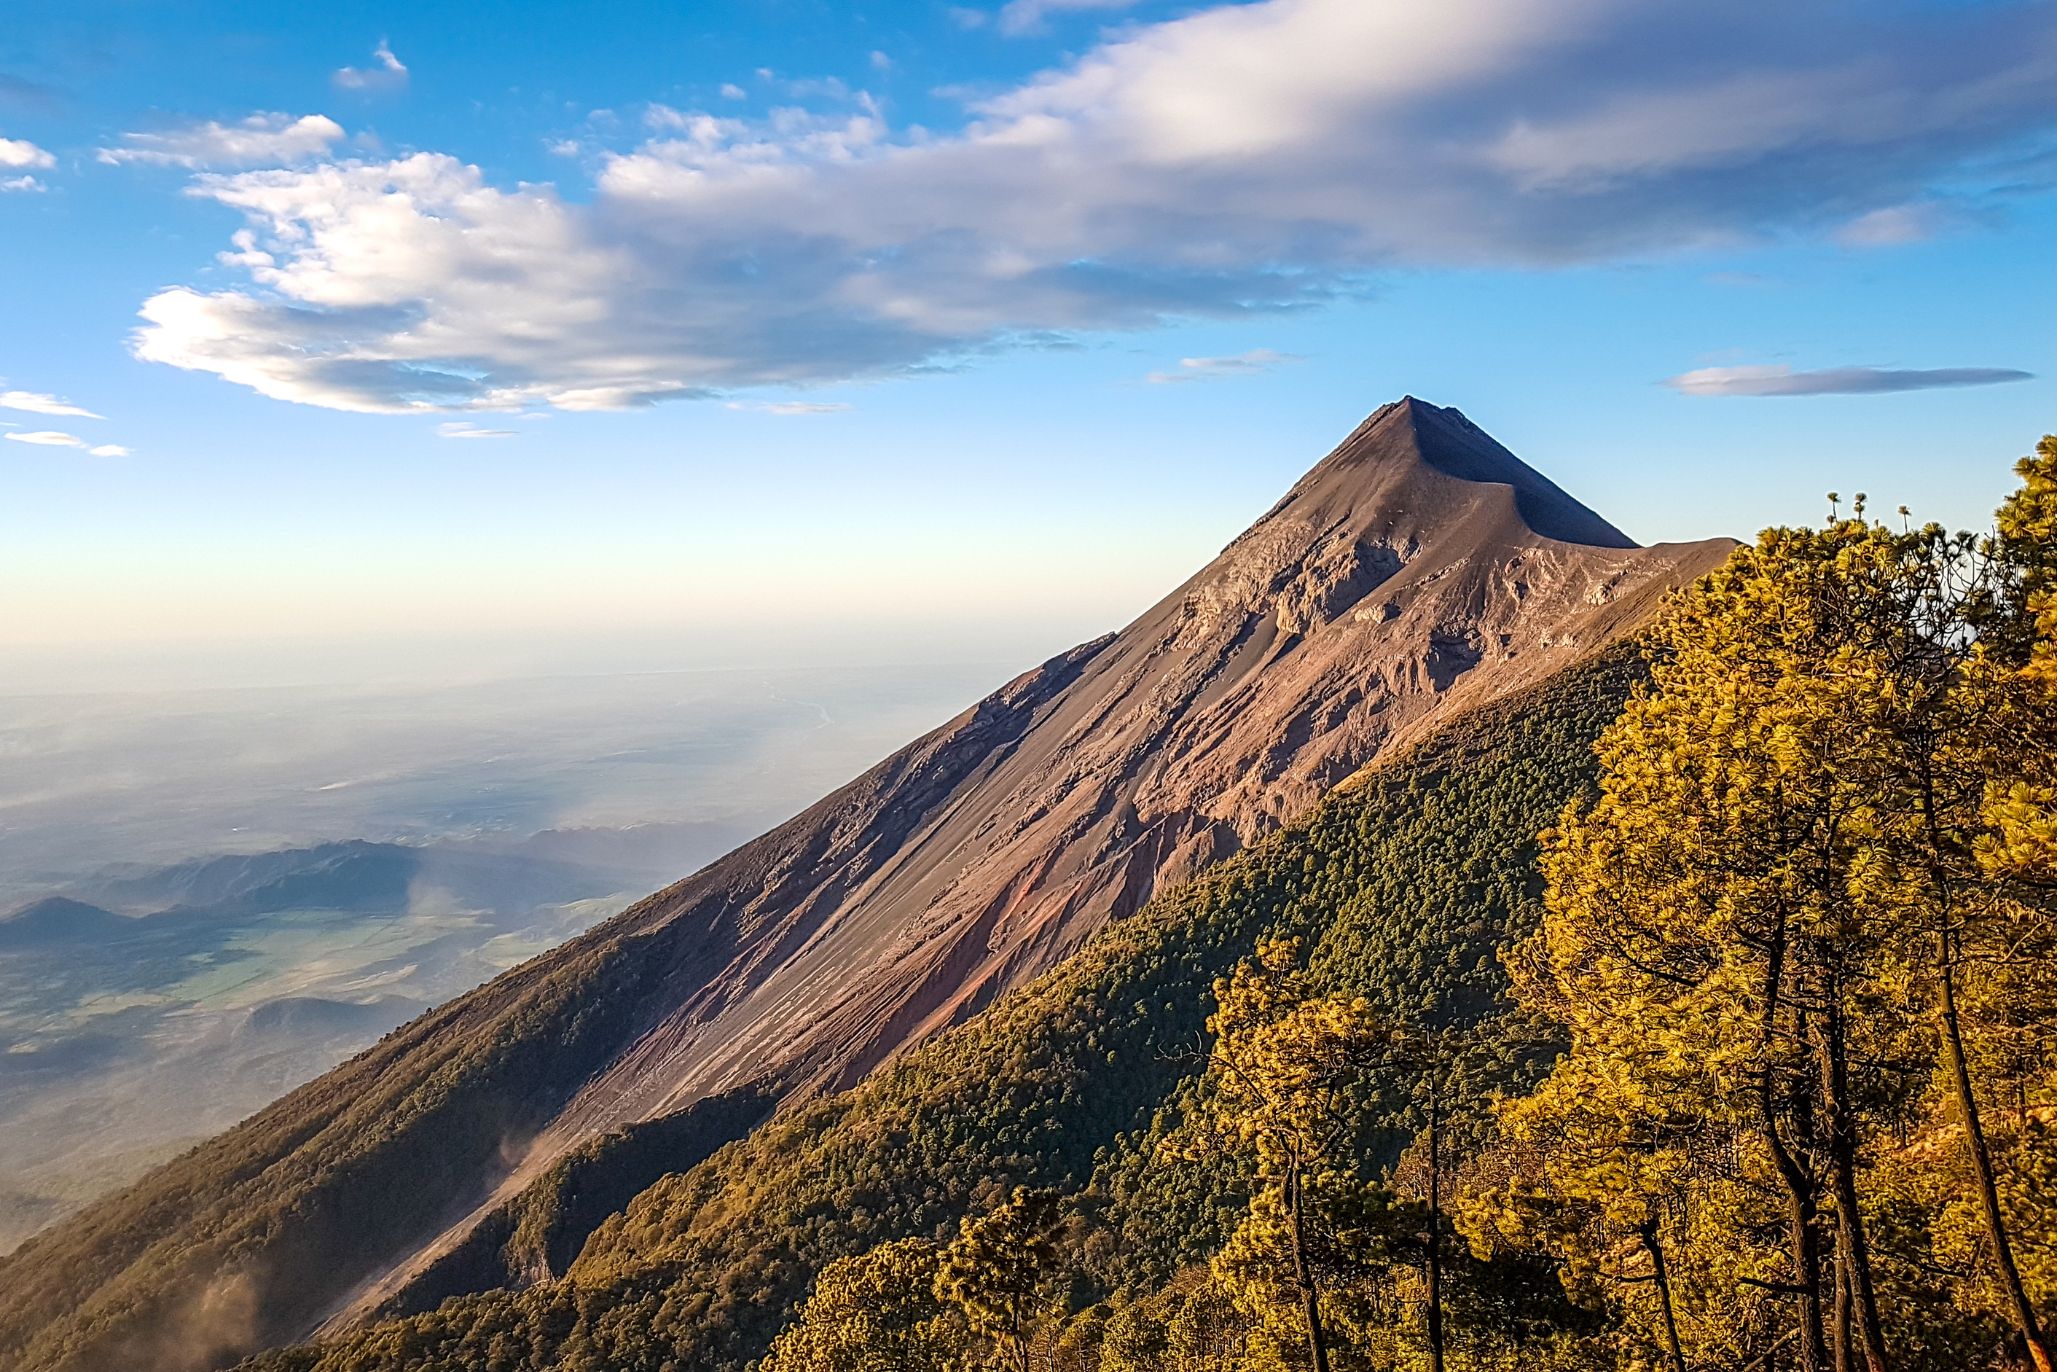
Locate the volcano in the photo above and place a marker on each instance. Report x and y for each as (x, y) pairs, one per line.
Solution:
(1418, 571)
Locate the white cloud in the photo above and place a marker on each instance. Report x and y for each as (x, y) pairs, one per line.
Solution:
(261, 138)
(731, 91)
(1028, 16)
(463, 429)
(34, 402)
(384, 72)
(789, 408)
(1216, 368)
(22, 183)
(55, 438)
(1783, 380)
(880, 61)
(1244, 158)
(18, 153)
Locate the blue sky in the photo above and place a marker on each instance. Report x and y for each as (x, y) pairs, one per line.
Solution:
(543, 334)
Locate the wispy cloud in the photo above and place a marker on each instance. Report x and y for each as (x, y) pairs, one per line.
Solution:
(19, 153)
(52, 438)
(261, 138)
(789, 408)
(35, 402)
(384, 72)
(463, 429)
(21, 183)
(1246, 157)
(1218, 368)
(1782, 380)
(1893, 226)
(1029, 16)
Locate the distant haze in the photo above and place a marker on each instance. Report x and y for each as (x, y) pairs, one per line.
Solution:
(158, 776)
(169, 991)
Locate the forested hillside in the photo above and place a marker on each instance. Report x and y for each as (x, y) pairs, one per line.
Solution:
(1405, 886)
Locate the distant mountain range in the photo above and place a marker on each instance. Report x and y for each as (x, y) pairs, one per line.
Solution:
(1418, 577)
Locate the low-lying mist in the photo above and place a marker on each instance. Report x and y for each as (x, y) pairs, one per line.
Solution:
(210, 896)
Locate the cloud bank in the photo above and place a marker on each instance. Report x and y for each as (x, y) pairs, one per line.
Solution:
(1781, 380)
(1246, 158)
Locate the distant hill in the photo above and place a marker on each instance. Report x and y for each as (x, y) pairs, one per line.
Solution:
(59, 920)
(304, 1017)
(374, 877)
(334, 875)
(1418, 574)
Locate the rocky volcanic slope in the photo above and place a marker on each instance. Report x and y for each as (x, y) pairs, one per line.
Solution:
(1417, 571)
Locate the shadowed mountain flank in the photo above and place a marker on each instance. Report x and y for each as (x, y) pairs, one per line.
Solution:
(56, 921)
(1420, 570)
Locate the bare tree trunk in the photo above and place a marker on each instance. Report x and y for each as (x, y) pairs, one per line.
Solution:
(1853, 1255)
(1435, 1229)
(1951, 1027)
(1310, 1305)
(1802, 1191)
(1982, 1156)
(1660, 1274)
(1843, 1342)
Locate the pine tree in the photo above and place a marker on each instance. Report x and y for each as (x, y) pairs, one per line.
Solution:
(996, 1271)
(1703, 913)
(1285, 1070)
(1812, 864)
(876, 1312)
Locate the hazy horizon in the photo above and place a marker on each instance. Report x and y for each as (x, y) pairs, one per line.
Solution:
(142, 777)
